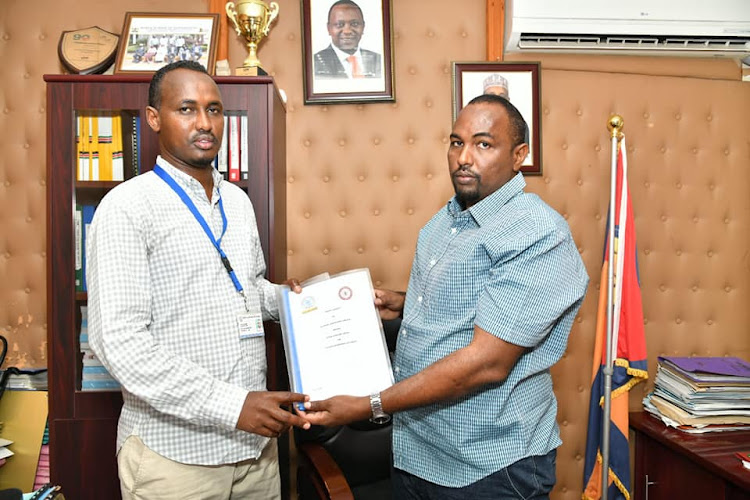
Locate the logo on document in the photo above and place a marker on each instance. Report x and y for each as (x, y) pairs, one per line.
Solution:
(345, 293)
(308, 304)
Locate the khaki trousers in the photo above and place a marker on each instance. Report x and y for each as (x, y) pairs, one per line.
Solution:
(146, 475)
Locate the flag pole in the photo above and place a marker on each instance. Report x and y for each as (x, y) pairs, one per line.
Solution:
(614, 125)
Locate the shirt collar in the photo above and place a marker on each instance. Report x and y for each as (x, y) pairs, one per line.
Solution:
(189, 181)
(344, 55)
(488, 207)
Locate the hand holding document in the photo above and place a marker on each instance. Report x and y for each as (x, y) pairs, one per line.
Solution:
(333, 337)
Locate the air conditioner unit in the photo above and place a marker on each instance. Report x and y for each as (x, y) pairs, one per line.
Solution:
(645, 27)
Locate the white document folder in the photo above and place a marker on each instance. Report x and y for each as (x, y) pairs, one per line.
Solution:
(333, 337)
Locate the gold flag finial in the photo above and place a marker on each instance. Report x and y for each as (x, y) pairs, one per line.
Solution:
(614, 125)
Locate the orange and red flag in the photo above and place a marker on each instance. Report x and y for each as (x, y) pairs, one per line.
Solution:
(628, 345)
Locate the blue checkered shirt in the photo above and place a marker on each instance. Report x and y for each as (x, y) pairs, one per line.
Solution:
(509, 265)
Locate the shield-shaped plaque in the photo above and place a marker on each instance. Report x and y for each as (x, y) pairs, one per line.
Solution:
(87, 51)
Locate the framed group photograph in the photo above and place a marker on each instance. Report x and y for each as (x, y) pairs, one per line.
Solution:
(518, 82)
(347, 51)
(151, 40)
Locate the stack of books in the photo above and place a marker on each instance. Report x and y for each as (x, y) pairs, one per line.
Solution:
(31, 379)
(82, 219)
(94, 377)
(233, 158)
(107, 145)
(701, 394)
(42, 468)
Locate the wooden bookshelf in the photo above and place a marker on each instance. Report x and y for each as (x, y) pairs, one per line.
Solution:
(83, 424)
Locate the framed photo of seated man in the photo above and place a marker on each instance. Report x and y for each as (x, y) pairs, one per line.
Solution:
(518, 83)
(347, 51)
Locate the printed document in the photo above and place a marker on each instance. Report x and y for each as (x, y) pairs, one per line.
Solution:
(334, 338)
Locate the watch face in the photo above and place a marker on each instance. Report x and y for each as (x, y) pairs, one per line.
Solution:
(381, 419)
(378, 415)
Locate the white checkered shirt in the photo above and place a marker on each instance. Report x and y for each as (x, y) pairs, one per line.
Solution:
(509, 265)
(163, 315)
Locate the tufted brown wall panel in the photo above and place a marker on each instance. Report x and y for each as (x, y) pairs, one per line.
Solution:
(688, 152)
(29, 34)
(362, 179)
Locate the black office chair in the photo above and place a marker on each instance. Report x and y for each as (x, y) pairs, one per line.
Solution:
(349, 462)
(11, 494)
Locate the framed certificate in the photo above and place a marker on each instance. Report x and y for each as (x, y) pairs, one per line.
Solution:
(334, 338)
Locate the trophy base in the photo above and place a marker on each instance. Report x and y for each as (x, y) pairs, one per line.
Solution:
(250, 71)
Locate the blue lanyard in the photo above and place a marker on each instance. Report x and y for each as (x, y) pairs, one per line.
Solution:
(194, 210)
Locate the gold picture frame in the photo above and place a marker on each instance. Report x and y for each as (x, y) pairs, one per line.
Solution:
(151, 40)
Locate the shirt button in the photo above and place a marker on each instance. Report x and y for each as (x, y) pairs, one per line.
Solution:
(432, 262)
(453, 230)
(419, 299)
(397, 369)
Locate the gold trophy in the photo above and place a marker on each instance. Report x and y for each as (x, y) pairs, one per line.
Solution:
(252, 20)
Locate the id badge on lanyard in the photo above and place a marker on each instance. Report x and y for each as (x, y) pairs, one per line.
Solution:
(250, 325)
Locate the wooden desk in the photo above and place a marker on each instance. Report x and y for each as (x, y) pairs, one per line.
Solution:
(672, 464)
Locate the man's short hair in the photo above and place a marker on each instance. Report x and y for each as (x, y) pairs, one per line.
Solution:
(154, 89)
(347, 3)
(518, 127)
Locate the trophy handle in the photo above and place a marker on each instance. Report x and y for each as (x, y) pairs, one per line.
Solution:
(273, 11)
(233, 16)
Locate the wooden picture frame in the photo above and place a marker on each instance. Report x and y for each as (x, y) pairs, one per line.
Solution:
(330, 80)
(151, 40)
(520, 82)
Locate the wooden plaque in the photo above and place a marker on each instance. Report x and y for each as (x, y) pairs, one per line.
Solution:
(87, 51)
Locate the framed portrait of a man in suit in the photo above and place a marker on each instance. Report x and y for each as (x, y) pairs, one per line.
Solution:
(347, 51)
(519, 83)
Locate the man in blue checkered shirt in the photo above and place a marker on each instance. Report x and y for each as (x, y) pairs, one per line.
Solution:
(495, 285)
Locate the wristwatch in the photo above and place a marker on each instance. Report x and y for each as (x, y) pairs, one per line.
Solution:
(378, 415)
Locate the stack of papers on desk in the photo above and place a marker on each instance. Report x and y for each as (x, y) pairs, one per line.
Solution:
(701, 394)
(33, 379)
(4, 451)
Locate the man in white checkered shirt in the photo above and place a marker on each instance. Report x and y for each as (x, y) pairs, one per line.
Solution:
(495, 285)
(176, 303)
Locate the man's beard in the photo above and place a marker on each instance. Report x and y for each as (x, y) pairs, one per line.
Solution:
(467, 196)
(203, 162)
